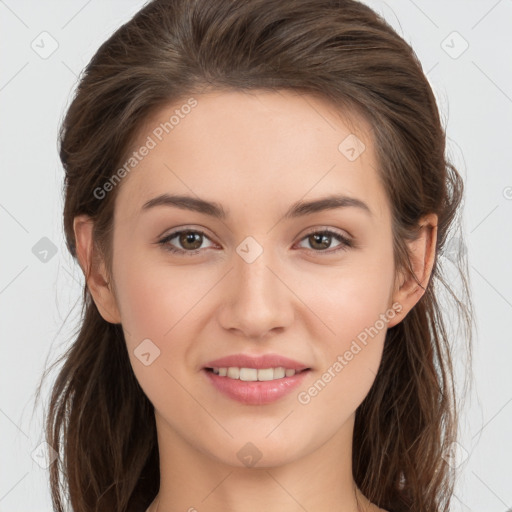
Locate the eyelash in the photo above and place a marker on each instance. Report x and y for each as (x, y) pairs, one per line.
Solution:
(345, 244)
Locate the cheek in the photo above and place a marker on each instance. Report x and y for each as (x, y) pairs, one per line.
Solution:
(353, 301)
(163, 304)
(158, 303)
(350, 360)
(142, 305)
(154, 297)
(351, 297)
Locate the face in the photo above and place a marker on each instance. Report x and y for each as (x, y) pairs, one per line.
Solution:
(268, 277)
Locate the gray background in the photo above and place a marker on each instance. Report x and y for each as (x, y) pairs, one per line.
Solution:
(40, 291)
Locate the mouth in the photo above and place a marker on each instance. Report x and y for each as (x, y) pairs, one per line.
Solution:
(255, 386)
(255, 379)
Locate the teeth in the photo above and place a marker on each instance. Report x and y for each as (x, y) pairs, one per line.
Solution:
(249, 374)
(254, 374)
(280, 372)
(233, 373)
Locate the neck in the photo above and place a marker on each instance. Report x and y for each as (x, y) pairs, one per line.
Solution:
(322, 480)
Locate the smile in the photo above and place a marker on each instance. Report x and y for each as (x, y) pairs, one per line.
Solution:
(245, 386)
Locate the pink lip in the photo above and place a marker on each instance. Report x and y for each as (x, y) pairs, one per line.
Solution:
(260, 362)
(254, 393)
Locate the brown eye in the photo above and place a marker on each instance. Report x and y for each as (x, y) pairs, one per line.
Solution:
(188, 242)
(320, 241)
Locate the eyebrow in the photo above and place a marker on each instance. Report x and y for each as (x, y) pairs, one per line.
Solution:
(298, 209)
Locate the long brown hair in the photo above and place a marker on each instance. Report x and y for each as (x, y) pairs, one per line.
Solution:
(344, 52)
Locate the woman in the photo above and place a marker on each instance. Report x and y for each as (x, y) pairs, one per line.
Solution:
(258, 195)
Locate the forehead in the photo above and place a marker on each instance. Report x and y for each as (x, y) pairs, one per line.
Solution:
(251, 150)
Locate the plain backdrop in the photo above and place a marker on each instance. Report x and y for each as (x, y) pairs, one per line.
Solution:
(465, 47)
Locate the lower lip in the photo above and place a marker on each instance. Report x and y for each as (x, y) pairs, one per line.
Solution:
(257, 392)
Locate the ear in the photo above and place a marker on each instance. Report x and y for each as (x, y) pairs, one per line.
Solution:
(422, 254)
(94, 269)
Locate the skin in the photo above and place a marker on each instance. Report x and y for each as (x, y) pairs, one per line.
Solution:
(256, 154)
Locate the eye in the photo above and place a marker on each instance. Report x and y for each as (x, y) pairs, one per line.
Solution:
(322, 240)
(191, 241)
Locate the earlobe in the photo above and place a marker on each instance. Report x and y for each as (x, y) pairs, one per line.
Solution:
(94, 270)
(422, 253)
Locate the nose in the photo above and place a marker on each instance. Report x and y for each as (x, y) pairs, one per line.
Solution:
(257, 299)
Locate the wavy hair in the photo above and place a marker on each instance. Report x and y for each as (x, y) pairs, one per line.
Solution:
(345, 53)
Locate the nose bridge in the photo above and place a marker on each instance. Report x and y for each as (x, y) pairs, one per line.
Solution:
(255, 281)
(257, 299)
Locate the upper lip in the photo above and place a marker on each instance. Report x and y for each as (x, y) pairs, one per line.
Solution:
(259, 362)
